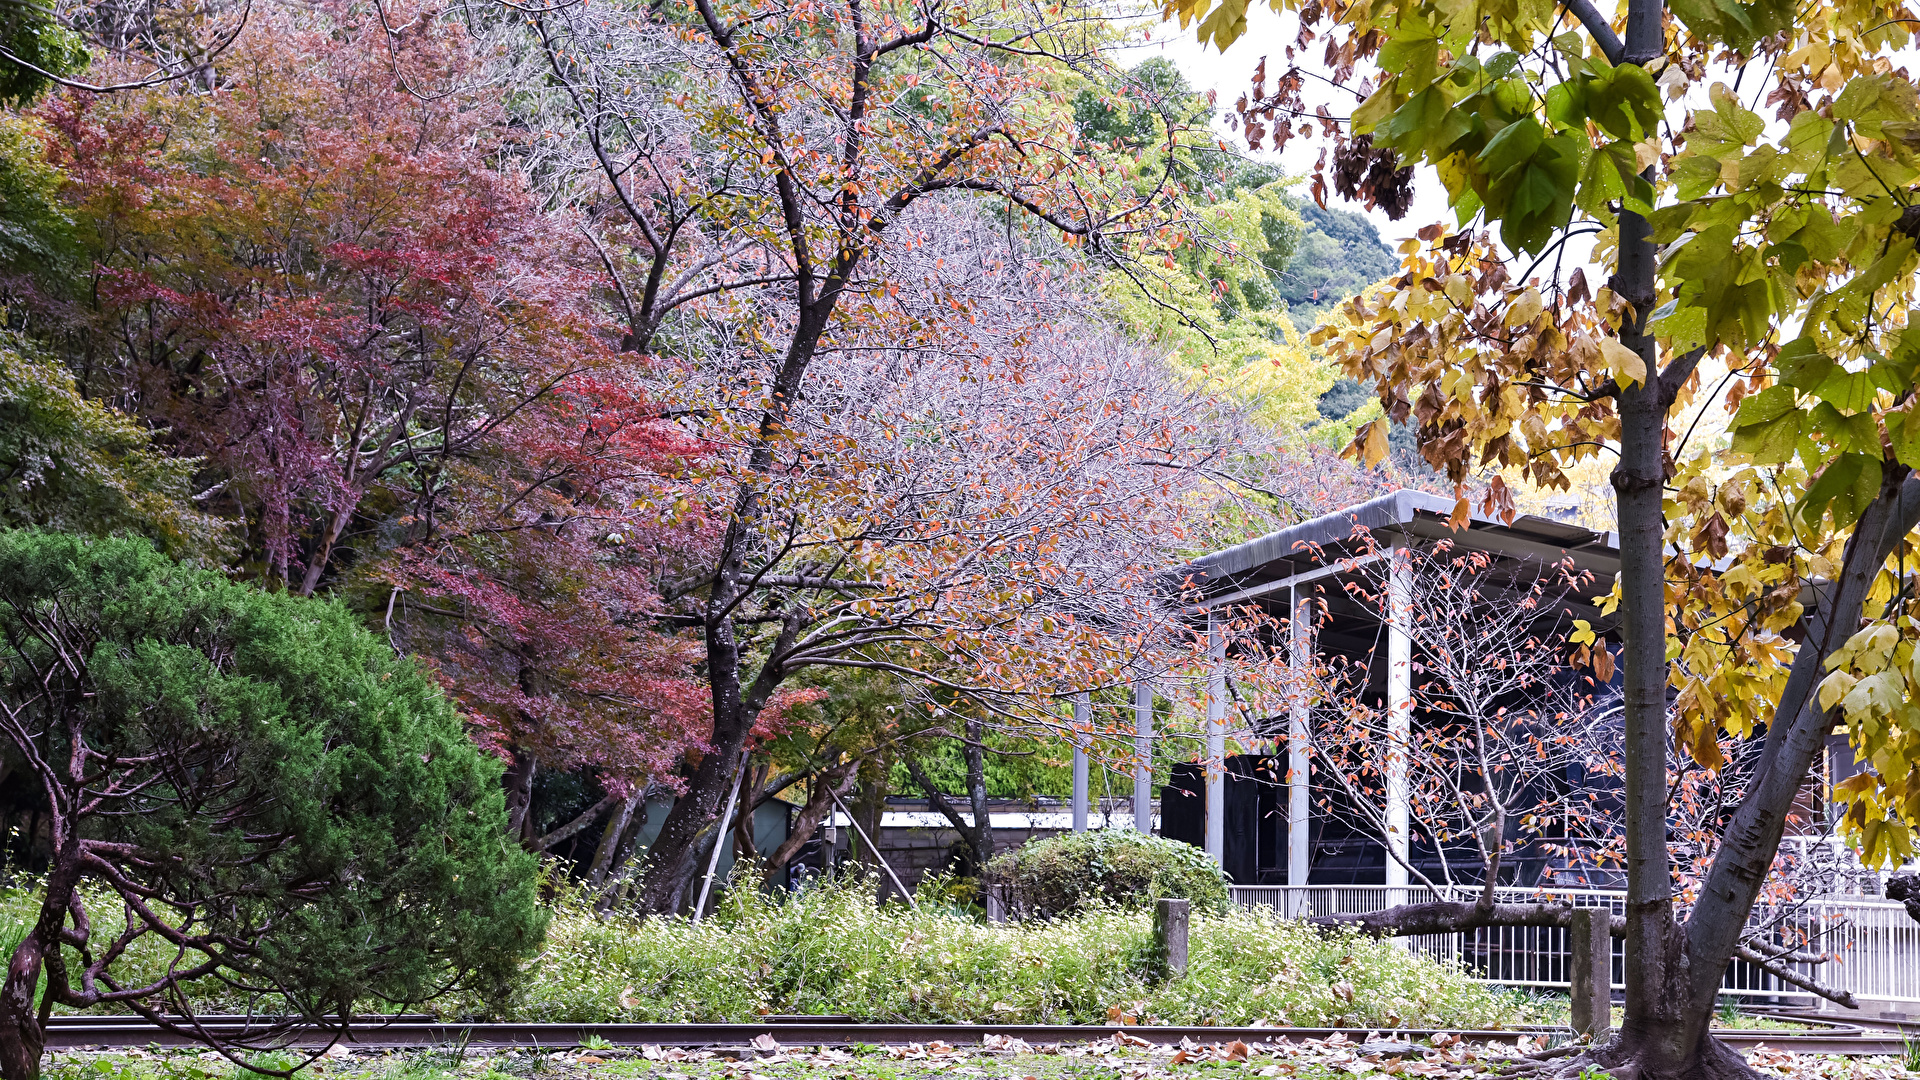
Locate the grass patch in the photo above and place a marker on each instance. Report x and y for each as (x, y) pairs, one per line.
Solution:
(829, 949)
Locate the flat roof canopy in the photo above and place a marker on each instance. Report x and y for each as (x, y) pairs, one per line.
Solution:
(1265, 570)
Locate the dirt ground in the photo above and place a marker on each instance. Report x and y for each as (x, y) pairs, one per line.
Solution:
(1118, 1058)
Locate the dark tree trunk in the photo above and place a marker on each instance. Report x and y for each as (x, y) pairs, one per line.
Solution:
(23, 1028)
(22, 1035)
(1657, 1017)
(975, 749)
(976, 835)
(672, 860)
(519, 784)
(745, 846)
(827, 784)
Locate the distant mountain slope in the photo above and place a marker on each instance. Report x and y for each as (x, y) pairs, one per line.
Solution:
(1339, 254)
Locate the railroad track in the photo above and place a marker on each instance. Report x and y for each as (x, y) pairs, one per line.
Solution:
(71, 1033)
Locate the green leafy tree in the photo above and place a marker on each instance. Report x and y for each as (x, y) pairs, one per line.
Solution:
(1775, 253)
(68, 462)
(36, 235)
(281, 809)
(32, 46)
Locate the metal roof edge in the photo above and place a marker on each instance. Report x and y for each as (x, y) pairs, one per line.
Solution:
(1386, 512)
(1394, 508)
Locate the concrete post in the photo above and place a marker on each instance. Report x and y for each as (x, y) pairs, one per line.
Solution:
(1592, 974)
(1300, 666)
(1082, 719)
(1216, 762)
(1399, 713)
(1143, 748)
(1169, 959)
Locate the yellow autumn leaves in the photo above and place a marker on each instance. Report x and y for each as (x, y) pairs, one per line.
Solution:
(1872, 681)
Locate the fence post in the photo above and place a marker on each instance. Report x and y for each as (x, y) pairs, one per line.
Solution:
(1169, 958)
(1592, 939)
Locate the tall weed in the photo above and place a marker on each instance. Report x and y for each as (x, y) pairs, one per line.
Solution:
(829, 949)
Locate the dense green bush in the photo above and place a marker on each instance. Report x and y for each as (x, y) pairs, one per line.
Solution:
(298, 813)
(829, 949)
(1060, 874)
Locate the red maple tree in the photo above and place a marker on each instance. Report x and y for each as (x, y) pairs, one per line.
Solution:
(316, 279)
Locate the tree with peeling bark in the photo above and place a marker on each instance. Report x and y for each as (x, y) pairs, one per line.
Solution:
(248, 797)
(1761, 265)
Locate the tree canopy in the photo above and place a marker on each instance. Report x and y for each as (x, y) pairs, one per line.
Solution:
(248, 784)
(1763, 264)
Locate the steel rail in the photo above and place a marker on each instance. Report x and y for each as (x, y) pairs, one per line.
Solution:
(71, 1033)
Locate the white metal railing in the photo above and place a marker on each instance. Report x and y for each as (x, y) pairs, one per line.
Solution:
(1874, 946)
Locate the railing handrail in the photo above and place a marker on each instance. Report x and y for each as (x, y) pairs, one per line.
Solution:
(1874, 945)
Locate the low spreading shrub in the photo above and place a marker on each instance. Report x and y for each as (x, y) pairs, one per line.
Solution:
(829, 949)
(1117, 867)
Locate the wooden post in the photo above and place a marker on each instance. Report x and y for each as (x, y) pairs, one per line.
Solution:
(1216, 760)
(1399, 715)
(1170, 938)
(1592, 938)
(1299, 721)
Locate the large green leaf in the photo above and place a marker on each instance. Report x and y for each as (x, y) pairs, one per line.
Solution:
(1768, 425)
(1847, 486)
(1738, 25)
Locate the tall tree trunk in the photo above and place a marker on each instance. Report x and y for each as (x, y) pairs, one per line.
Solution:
(671, 860)
(1662, 1033)
(1656, 1014)
(977, 834)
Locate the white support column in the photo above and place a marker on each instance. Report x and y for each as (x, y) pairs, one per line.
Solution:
(1216, 762)
(1143, 749)
(1300, 668)
(1399, 712)
(1082, 720)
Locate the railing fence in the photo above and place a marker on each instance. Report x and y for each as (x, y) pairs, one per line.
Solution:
(1873, 946)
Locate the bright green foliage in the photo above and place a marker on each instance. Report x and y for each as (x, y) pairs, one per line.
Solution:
(36, 234)
(27, 31)
(68, 462)
(295, 789)
(830, 949)
(1216, 307)
(1071, 872)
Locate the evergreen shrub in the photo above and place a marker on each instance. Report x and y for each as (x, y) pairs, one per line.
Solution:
(1057, 875)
